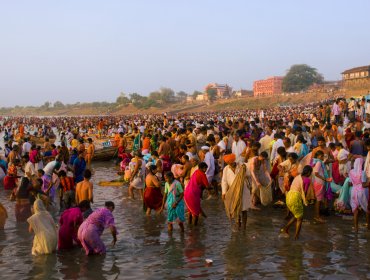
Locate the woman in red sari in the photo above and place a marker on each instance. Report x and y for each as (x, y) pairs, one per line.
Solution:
(193, 192)
(11, 179)
(152, 195)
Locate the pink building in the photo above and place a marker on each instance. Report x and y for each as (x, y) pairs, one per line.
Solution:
(269, 86)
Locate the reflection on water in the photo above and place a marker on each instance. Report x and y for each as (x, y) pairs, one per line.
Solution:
(146, 251)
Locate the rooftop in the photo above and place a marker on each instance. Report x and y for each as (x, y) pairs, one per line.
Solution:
(357, 69)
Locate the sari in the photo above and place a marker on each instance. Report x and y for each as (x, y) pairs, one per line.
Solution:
(301, 150)
(92, 228)
(193, 192)
(359, 195)
(22, 201)
(342, 203)
(45, 240)
(69, 221)
(153, 197)
(295, 197)
(137, 143)
(173, 192)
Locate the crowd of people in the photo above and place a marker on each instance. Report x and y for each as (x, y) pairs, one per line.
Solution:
(293, 157)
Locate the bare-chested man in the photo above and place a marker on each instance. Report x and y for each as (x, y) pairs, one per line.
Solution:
(185, 175)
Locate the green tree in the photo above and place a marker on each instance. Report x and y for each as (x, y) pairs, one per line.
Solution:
(300, 77)
(181, 95)
(211, 93)
(46, 106)
(167, 94)
(136, 98)
(196, 93)
(58, 104)
(122, 99)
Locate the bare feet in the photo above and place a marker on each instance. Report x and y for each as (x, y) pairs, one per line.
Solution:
(319, 220)
(284, 233)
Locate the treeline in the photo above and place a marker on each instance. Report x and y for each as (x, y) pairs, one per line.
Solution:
(158, 99)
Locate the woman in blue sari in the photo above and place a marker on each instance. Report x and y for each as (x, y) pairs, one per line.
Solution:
(301, 148)
(174, 196)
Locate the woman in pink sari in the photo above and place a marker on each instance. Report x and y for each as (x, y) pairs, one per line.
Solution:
(193, 192)
(92, 228)
(69, 222)
(359, 194)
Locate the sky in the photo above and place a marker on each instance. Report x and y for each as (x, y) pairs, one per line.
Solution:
(91, 50)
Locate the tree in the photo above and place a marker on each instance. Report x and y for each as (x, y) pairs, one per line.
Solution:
(58, 104)
(181, 95)
(122, 99)
(300, 77)
(136, 98)
(196, 93)
(167, 94)
(211, 93)
(46, 105)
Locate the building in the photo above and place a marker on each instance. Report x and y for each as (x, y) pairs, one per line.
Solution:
(269, 86)
(222, 90)
(242, 93)
(357, 80)
(189, 99)
(202, 97)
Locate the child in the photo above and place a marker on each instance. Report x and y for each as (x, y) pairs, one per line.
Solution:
(67, 189)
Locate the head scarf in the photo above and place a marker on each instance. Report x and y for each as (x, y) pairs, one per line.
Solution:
(229, 159)
(38, 206)
(355, 175)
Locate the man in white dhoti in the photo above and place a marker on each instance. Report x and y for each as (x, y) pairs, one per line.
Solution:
(235, 192)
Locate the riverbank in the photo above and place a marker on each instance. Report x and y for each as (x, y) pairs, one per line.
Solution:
(218, 105)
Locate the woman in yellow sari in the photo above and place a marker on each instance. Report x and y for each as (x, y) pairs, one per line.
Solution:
(295, 198)
(42, 224)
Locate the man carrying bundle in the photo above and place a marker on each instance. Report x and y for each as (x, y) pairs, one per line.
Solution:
(235, 192)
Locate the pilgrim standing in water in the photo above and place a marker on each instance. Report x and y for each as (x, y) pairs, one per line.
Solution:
(174, 198)
(295, 199)
(42, 225)
(235, 191)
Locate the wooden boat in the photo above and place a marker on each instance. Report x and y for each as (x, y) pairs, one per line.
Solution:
(39, 141)
(106, 149)
(104, 154)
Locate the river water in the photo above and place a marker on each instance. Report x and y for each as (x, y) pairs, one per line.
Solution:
(145, 250)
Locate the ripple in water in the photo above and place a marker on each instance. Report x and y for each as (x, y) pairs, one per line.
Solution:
(146, 251)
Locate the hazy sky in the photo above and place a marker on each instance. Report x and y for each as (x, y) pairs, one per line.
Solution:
(75, 50)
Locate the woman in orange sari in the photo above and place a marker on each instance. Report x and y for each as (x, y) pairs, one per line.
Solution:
(193, 193)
